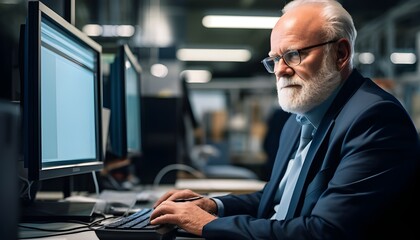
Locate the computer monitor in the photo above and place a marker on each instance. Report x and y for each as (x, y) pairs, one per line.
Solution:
(122, 95)
(62, 103)
(189, 123)
(62, 97)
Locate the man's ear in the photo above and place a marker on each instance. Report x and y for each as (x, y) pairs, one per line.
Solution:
(343, 53)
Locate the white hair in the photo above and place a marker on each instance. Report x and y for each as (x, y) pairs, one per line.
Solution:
(339, 23)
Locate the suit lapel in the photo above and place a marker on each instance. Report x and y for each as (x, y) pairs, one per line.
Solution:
(348, 89)
(289, 140)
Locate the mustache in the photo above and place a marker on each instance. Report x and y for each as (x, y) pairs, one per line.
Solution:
(287, 81)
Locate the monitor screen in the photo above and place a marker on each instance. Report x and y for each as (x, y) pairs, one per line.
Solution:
(62, 103)
(124, 100)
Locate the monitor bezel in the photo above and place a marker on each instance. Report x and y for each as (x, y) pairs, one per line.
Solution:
(32, 98)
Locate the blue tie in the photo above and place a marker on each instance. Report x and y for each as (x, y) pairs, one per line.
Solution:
(288, 182)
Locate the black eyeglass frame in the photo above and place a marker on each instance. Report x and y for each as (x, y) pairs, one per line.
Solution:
(277, 58)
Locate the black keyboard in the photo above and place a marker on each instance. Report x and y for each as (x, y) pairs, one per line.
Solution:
(135, 226)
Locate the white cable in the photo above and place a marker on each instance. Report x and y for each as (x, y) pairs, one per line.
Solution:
(95, 181)
(176, 166)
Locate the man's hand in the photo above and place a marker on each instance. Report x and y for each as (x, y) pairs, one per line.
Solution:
(173, 195)
(189, 215)
(186, 215)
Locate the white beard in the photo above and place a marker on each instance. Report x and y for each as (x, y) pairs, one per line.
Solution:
(311, 92)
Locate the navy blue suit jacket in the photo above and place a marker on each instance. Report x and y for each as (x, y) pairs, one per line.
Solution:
(362, 164)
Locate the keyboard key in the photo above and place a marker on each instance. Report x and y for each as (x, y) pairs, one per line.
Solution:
(136, 226)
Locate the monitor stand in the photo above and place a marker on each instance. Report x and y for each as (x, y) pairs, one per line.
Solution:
(48, 210)
(58, 210)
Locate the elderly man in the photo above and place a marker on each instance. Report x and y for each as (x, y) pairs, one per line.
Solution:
(356, 175)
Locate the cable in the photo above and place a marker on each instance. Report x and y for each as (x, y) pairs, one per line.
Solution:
(59, 232)
(54, 230)
(176, 166)
(95, 181)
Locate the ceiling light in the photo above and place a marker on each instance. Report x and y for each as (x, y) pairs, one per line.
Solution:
(95, 30)
(159, 70)
(403, 58)
(366, 58)
(213, 55)
(125, 30)
(197, 76)
(248, 22)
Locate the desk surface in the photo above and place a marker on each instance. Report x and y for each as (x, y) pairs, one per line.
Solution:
(214, 186)
(235, 186)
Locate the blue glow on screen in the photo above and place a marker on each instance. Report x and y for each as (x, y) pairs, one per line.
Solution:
(132, 108)
(67, 98)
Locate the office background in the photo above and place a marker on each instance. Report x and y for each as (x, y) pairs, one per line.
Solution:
(233, 98)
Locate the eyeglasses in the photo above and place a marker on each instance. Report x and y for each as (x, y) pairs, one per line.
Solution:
(291, 57)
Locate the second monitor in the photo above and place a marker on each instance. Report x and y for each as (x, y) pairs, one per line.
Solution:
(123, 98)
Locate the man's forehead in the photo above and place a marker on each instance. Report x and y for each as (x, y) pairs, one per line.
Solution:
(306, 16)
(300, 23)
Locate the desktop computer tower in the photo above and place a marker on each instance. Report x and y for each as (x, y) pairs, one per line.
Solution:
(161, 119)
(10, 148)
